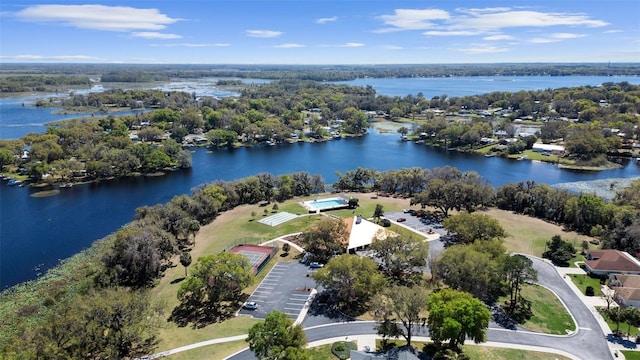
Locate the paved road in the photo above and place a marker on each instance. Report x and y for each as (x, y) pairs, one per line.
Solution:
(587, 343)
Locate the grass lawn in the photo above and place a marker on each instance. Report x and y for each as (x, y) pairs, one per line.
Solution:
(529, 235)
(624, 326)
(475, 352)
(631, 355)
(582, 281)
(217, 351)
(549, 315)
(322, 353)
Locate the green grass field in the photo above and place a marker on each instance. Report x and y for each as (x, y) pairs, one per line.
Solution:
(549, 315)
(631, 355)
(582, 281)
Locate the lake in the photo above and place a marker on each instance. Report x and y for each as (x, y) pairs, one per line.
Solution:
(37, 232)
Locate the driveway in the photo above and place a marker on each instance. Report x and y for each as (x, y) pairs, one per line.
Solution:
(286, 288)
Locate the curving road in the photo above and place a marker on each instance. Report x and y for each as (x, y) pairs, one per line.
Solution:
(586, 343)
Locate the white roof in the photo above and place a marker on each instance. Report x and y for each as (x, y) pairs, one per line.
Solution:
(548, 147)
(363, 233)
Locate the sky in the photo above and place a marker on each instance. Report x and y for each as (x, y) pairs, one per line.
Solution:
(319, 31)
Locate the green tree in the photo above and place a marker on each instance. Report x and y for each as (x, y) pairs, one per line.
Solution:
(517, 269)
(327, 238)
(465, 268)
(6, 158)
(216, 278)
(616, 315)
(454, 316)
(559, 251)
(277, 338)
(471, 227)
(354, 279)
(406, 305)
(185, 260)
(219, 137)
(378, 212)
(401, 256)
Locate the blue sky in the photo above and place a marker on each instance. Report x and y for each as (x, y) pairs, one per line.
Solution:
(319, 31)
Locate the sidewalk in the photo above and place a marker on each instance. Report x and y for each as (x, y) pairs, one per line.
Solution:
(592, 302)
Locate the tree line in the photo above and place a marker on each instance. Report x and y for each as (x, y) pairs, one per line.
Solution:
(148, 72)
(30, 83)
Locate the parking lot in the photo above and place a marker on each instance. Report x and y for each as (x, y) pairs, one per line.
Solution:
(416, 223)
(285, 288)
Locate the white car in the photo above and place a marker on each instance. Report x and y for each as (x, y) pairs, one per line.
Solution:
(250, 305)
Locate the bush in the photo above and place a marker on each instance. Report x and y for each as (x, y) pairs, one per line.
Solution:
(589, 291)
(342, 349)
(386, 222)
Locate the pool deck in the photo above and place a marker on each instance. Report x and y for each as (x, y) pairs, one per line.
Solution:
(312, 209)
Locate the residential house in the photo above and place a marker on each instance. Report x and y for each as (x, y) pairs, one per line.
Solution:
(609, 261)
(627, 289)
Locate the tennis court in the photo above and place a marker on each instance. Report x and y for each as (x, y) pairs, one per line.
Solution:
(277, 219)
(258, 256)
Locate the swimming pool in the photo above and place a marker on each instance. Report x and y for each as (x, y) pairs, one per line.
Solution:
(325, 204)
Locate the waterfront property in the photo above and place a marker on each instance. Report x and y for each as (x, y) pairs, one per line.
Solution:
(332, 203)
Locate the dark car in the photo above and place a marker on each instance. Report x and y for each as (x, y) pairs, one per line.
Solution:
(401, 220)
(250, 305)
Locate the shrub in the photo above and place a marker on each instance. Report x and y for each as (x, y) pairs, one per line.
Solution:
(589, 291)
(342, 349)
(386, 222)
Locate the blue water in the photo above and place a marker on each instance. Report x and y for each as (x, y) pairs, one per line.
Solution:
(37, 232)
(322, 204)
(474, 85)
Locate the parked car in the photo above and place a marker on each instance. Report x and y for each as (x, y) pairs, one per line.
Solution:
(401, 220)
(250, 305)
(316, 265)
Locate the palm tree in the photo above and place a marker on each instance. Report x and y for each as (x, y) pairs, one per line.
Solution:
(616, 314)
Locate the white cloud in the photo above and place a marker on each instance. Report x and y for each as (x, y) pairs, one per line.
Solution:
(498, 37)
(98, 17)
(567, 36)
(155, 35)
(482, 49)
(412, 19)
(263, 33)
(193, 44)
(555, 38)
(52, 58)
(393, 47)
(451, 33)
(326, 20)
(288, 46)
(612, 31)
(352, 44)
(510, 19)
(487, 21)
